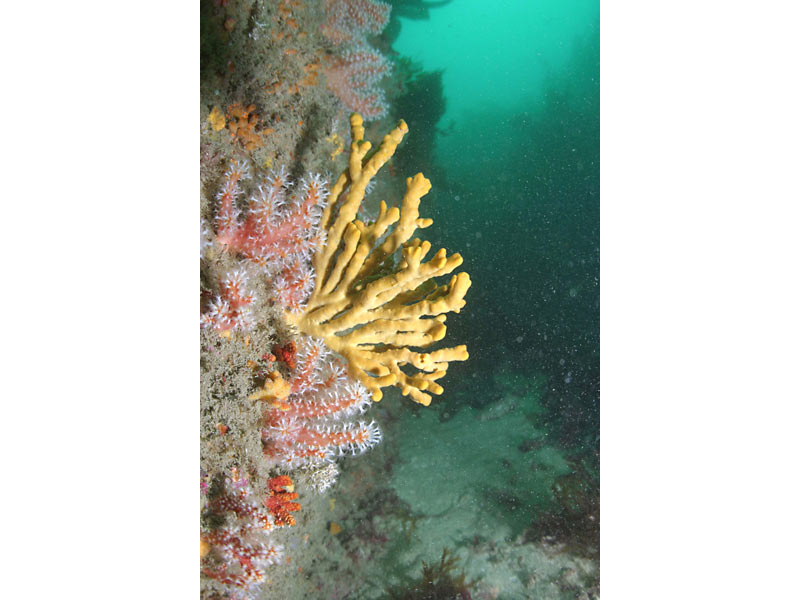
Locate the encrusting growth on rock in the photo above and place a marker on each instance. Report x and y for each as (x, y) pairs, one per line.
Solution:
(366, 305)
(274, 390)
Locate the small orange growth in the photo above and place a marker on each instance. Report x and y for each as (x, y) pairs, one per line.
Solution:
(309, 80)
(279, 502)
(275, 389)
(286, 6)
(223, 429)
(243, 122)
(230, 23)
(217, 119)
(334, 528)
(286, 354)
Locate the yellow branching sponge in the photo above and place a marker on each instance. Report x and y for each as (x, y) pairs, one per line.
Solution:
(370, 305)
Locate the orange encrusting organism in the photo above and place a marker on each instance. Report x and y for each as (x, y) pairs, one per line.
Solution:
(242, 125)
(279, 502)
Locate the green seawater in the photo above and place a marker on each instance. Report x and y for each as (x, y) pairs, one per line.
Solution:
(516, 177)
(509, 98)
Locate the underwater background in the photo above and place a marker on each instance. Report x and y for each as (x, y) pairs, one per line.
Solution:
(512, 91)
(492, 491)
(516, 116)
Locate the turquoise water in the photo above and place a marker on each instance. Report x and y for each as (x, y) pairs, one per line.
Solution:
(517, 146)
(508, 96)
(497, 55)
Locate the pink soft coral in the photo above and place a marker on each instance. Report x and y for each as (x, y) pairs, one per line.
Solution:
(279, 231)
(353, 19)
(314, 423)
(279, 223)
(353, 78)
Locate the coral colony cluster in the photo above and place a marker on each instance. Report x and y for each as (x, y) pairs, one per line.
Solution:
(351, 20)
(279, 233)
(352, 75)
(311, 424)
(237, 554)
(360, 297)
(358, 303)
